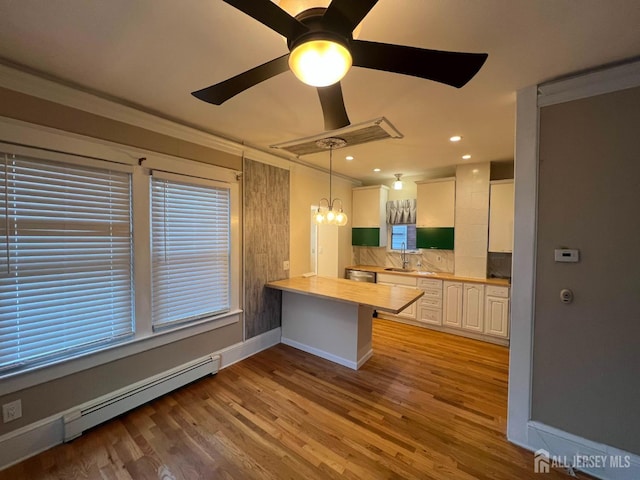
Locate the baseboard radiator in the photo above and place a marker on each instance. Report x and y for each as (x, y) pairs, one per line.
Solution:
(116, 403)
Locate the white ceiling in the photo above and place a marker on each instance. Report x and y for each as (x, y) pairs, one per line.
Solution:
(153, 53)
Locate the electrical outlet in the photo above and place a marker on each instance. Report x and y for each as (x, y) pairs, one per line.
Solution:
(12, 411)
(285, 265)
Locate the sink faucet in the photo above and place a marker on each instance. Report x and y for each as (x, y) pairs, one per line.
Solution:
(403, 256)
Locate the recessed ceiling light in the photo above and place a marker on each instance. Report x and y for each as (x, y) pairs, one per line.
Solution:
(349, 157)
(376, 169)
(466, 157)
(455, 138)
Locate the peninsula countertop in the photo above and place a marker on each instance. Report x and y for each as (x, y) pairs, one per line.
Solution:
(379, 297)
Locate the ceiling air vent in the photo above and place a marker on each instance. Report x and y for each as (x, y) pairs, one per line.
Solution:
(370, 131)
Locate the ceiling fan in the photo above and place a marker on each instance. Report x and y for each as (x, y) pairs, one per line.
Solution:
(319, 35)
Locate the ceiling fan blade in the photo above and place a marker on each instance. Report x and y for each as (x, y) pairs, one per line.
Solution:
(345, 15)
(271, 15)
(450, 68)
(223, 91)
(335, 114)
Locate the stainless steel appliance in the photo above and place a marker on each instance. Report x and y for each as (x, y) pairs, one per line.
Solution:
(360, 276)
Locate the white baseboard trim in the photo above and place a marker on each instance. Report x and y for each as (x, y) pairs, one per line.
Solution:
(44, 434)
(597, 459)
(242, 350)
(326, 355)
(30, 440)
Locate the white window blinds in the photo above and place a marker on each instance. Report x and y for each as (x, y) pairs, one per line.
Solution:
(190, 235)
(65, 259)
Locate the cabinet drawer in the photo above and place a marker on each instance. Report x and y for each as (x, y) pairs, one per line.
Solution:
(430, 315)
(430, 302)
(494, 291)
(425, 283)
(430, 292)
(396, 279)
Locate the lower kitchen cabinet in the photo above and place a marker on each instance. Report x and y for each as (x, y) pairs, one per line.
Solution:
(463, 305)
(452, 304)
(400, 281)
(430, 304)
(496, 311)
(473, 307)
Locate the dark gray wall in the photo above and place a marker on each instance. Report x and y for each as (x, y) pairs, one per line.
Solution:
(586, 368)
(266, 240)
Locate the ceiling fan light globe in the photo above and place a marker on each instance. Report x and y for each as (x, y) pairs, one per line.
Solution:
(320, 63)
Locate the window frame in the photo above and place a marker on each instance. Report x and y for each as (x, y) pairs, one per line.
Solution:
(50, 144)
(390, 239)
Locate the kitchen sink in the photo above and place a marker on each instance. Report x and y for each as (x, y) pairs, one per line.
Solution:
(398, 269)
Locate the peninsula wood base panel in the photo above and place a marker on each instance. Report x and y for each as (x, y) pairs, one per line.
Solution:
(336, 331)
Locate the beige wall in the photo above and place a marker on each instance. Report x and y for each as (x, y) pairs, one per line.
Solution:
(43, 112)
(58, 395)
(586, 359)
(308, 186)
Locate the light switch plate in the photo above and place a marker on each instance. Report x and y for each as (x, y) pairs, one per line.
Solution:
(568, 255)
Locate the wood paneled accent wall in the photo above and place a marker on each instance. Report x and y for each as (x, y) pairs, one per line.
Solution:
(266, 243)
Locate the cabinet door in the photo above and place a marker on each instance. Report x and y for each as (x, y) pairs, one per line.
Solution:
(473, 307)
(410, 311)
(452, 304)
(395, 281)
(496, 316)
(369, 206)
(501, 217)
(430, 315)
(436, 203)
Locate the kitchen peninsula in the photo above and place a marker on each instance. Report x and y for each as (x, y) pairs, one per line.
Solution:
(332, 317)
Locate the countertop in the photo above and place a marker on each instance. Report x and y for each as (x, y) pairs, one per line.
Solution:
(380, 297)
(502, 282)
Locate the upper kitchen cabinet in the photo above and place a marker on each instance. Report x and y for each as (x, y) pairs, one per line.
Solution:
(369, 222)
(501, 216)
(435, 217)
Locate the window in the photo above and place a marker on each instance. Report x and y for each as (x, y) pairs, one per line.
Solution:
(190, 238)
(79, 285)
(65, 259)
(403, 237)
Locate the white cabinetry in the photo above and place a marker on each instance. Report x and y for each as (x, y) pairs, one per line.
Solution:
(473, 307)
(402, 282)
(496, 311)
(452, 304)
(436, 203)
(370, 206)
(430, 304)
(501, 216)
(463, 306)
(369, 212)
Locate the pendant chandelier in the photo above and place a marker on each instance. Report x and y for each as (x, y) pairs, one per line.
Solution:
(328, 212)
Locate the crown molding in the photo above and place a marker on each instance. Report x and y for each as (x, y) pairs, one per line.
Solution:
(34, 84)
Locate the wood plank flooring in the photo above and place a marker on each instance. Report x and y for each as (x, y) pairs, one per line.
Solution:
(428, 405)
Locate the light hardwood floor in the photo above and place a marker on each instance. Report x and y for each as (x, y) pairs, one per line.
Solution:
(428, 405)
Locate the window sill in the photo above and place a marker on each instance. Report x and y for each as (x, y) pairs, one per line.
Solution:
(35, 375)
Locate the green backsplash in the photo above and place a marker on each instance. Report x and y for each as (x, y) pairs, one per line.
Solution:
(438, 238)
(365, 237)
